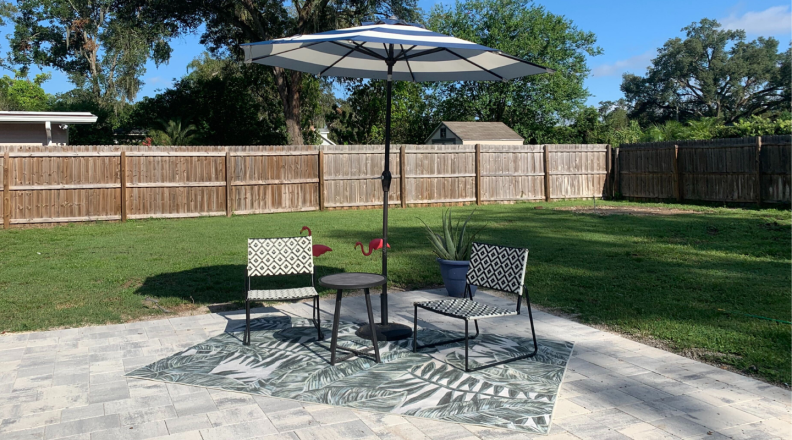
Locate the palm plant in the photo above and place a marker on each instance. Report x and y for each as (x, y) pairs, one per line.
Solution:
(177, 132)
(704, 128)
(455, 242)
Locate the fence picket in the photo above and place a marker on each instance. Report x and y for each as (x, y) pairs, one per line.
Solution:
(715, 170)
(86, 183)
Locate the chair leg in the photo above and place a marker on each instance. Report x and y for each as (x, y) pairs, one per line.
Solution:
(533, 330)
(525, 356)
(466, 346)
(318, 319)
(246, 338)
(417, 347)
(415, 330)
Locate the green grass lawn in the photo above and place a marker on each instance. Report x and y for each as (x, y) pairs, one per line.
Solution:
(660, 277)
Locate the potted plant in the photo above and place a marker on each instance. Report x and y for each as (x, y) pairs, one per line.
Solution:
(452, 248)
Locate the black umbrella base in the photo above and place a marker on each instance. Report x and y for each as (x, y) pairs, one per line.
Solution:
(387, 332)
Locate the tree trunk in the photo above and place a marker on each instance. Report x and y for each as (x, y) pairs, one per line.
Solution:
(289, 84)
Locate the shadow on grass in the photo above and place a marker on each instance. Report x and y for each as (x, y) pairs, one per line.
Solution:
(669, 277)
(220, 284)
(664, 277)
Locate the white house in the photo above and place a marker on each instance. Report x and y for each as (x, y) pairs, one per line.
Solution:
(471, 133)
(43, 128)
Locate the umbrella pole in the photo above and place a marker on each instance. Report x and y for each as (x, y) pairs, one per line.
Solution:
(386, 181)
(386, 331)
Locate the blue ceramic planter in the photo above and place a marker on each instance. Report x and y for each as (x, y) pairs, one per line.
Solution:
(454, 273)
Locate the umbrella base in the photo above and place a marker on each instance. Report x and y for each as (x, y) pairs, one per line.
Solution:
(387, 332)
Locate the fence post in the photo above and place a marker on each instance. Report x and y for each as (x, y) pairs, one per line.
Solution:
(547, 173)
(608, 182)
(403, 176)
(616, 172)
(759, 171)
(478, 174)
(321, 181)
(677, 176)
(6, 191)
(123, 201)
(229, 205)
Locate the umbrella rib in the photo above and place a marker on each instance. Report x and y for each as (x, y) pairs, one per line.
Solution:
(471, 62)
(426, 52)
(285, 51)
(404, 52)
(336, 62)
(524, 61)
(361, 49)
(408, 62)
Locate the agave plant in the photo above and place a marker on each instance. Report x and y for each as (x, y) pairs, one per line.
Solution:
(455, 241)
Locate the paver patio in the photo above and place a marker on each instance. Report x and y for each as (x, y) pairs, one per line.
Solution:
(69, 384)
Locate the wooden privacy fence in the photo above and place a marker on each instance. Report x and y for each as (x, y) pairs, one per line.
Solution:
(86, 183)
(743, 170)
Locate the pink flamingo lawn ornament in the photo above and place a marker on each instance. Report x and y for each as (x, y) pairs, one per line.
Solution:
(373, 245)
(318, 249)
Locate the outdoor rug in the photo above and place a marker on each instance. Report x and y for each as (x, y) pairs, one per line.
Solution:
(285, 360)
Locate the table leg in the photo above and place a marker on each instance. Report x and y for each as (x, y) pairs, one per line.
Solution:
(336, 317)
(371, 323)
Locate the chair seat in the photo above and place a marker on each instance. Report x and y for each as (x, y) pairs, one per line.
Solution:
(282, 294)
(464, 308)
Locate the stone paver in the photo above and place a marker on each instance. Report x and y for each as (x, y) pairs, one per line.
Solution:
(69, 384)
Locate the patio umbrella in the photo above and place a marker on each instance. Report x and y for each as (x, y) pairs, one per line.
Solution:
(392, 50)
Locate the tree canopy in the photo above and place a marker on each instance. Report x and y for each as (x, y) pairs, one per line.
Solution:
(360, 119)
(22, 94)
(711, 73)
(100, 51)
(711, 83)
(230, 104)
(530, 105)
(229, 23)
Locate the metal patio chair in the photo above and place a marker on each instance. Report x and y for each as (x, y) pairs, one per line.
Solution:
(280, 256)
(493, 267)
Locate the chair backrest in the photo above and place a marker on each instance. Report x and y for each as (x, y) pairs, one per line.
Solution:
(280, 256)
(497, 267)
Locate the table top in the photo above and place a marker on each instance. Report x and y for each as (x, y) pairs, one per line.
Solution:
(352, 280)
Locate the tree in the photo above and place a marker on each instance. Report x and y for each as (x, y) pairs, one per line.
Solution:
(99, 51)
(103, 131)
(532, 105)
(231, 104)
(7, 11)
(711, 73)
(360, 119)
(229, 23)
(615, 113)
(22, 94)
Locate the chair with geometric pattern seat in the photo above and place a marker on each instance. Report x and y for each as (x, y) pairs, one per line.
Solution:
(280, 256)
(491, 267)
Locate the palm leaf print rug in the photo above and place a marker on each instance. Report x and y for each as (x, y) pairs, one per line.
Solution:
(285, 360)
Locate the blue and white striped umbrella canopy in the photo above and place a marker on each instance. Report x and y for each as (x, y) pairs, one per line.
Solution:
(416, 54)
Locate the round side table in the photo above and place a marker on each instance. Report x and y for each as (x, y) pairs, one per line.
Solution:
(352, 281)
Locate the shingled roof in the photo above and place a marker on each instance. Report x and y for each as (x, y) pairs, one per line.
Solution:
(481, 131)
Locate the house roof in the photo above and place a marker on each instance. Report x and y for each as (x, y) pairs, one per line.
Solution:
(39, 117)
(480, 131)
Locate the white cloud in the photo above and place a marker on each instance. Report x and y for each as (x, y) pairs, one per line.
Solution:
(155, 80)
(772, 21)
(637, 62)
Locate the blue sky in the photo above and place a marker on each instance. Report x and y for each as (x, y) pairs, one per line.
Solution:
(629, 33)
